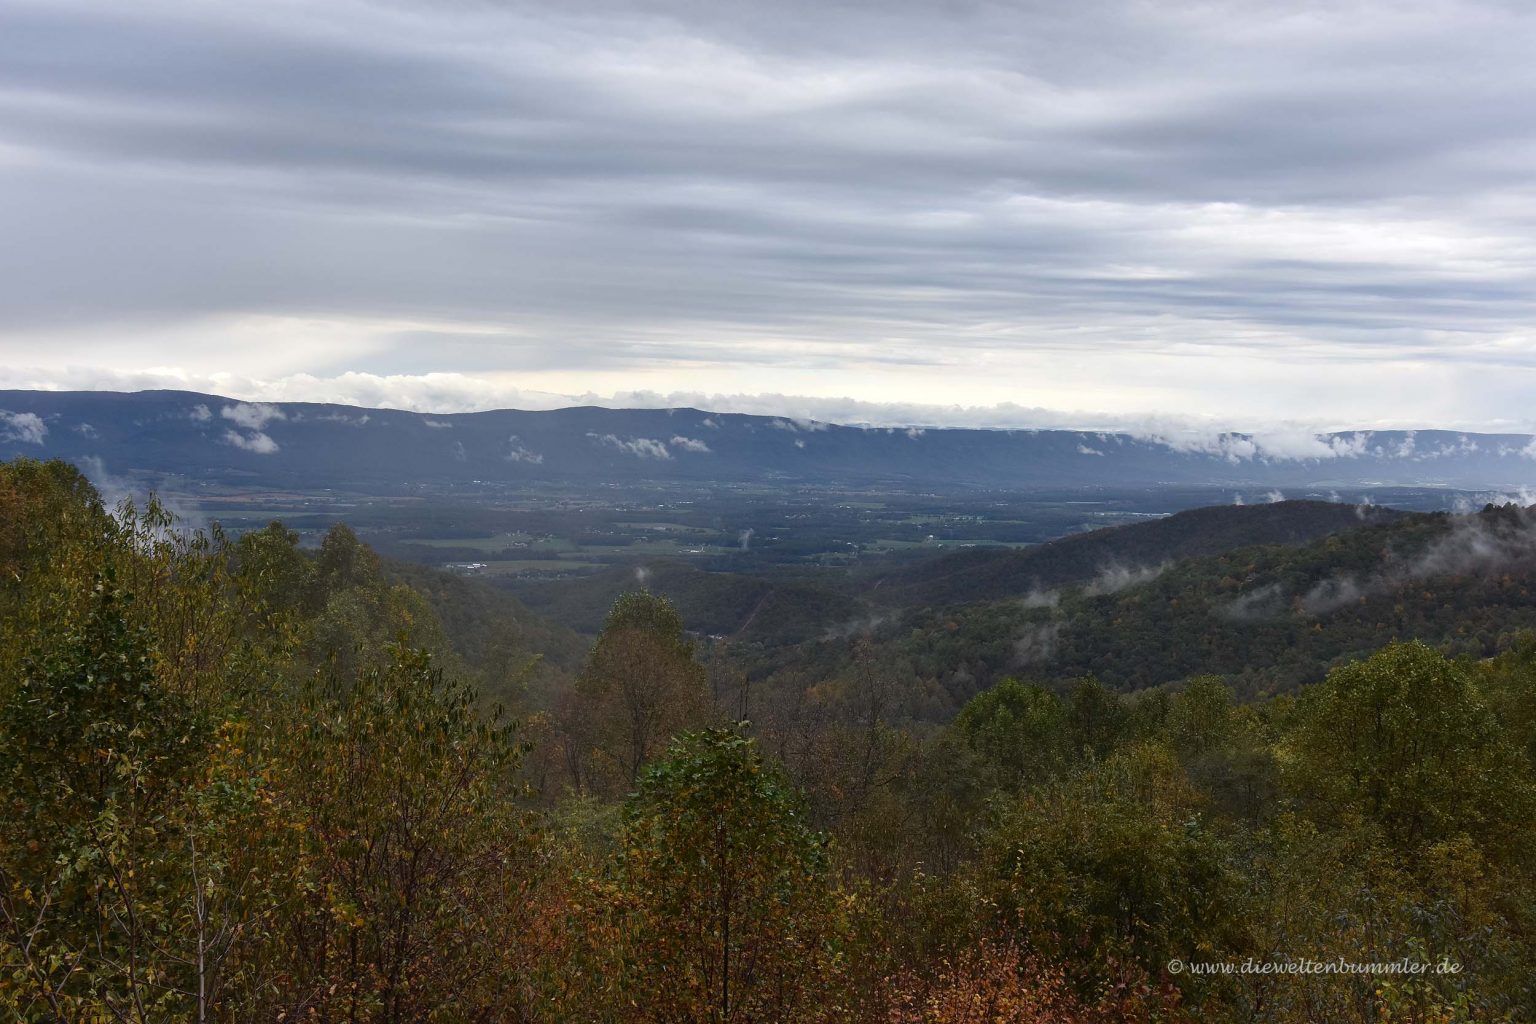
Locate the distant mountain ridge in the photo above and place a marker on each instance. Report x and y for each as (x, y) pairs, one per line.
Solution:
(206, 438)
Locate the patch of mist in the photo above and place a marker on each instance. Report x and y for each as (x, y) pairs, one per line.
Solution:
(1262, 603)
(120, 495)
(854, 627)
(1114, 578)
(1037, 598)
(1331, 594)
(1466, 504)
(1036, 643)
(1475, 544)
(519, 452)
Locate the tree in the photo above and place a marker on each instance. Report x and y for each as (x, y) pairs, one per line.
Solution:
(992, 984)
(95, 759)
(1224, 747)
(355, 613)
(727, 909)
(1096, 717)
(415, 855)
(1405, 739)
(641, 685)
(1019, 730)
(1114, 864)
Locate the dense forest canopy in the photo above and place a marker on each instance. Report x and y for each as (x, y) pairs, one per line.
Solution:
(247, 781)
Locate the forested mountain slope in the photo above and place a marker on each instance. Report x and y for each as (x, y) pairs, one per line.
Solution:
(985, 574)
(1269, 617)
(1270, 596)
(774, 609)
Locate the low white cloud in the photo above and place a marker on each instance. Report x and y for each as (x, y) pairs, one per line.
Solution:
(1236, 443)
(797, 424)
(1272, 444)
(25, 427)
(252, 415)
(254, 441)
(688, 444)
(1230, 437)
(518, 452)
(1465, 503)
(640, 447)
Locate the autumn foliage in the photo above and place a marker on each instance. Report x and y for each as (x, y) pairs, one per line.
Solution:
(243, 781)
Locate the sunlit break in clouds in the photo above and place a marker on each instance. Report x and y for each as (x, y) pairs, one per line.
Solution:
(978, 213)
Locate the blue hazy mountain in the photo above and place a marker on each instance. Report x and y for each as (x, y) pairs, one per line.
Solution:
(303, 445)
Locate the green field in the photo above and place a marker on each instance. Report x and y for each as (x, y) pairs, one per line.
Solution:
(497, 542)
(514, 567)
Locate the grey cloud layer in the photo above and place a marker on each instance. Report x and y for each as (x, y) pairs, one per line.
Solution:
(615, 185)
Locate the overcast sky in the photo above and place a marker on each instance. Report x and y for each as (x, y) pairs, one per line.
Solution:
(1249, 212)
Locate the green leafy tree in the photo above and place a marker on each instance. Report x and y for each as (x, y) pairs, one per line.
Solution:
(1117, 864)
(641, 686)
(415, 855)
(1226, 748)
(727, 907)
(1019, 730)
(1405, 739)
(95, 760)
(1097, 718)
